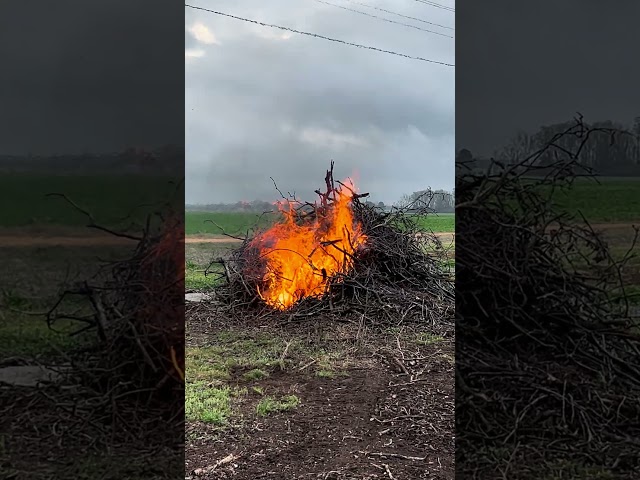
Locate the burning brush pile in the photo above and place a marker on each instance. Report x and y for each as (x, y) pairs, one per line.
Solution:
(344, 258)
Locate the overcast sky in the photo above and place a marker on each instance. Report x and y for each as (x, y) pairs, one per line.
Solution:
(263, 102)
(90, 76)
(521, 65)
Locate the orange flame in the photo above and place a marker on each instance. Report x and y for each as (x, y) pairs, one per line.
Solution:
(302, 257)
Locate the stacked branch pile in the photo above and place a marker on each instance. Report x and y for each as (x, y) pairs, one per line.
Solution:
(400, 274)
(135, 367)
(548, 354)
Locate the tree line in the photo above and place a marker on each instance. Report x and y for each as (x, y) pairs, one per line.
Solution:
(607, 154)
(440, 201)
(166, 159)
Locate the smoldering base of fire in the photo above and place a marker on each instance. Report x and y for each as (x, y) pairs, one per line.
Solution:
(401, 274)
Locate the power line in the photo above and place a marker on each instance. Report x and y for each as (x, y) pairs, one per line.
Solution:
(383, 19)
(437, 5)
(399, 14)
(320, 36)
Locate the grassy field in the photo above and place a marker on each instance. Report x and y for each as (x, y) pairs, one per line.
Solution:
(200, 223)
(108, 198)
(610, 200)
(198, 257)
(613, 204)
(30, 283)
(237, 223)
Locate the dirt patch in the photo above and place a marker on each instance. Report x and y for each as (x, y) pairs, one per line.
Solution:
(92, 241)
(613, 226)
(389, 415)
(445, 237)
(210, 239)
(606, 226)
(59, 236)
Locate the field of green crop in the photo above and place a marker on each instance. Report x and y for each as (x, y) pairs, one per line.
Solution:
(108, 198)
(216, 223)
(213, 223)
(111, 198)
(441, 222)
(609, 200)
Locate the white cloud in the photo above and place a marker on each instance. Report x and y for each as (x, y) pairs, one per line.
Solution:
(203, 34)
(194, 53)
(322, 137)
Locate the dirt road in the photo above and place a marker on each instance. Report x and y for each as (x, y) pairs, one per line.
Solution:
(445, 237)
(55, 241)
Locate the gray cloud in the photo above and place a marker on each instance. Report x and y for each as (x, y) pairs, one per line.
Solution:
(260, 102)
(90, 76)
(523, 65)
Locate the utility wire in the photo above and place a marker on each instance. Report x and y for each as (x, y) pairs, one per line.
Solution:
(437, 5)
(399, 14)
(383, 19)
(320, 36)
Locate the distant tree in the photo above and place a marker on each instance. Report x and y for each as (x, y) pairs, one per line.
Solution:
(520, 146)
(440, 201)
(606, 154)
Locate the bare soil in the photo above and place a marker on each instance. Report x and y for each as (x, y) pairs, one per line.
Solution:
(388, 415)
(445, 237)
(96, 241)
(59, 236)
(83, 237)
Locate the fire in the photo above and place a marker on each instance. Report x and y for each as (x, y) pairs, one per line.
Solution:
(302, 256)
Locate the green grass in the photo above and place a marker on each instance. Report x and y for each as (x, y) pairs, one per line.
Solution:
(27, 336)
(207, 404)
(238, 224)
(108, 198)
(441, 222)
(199, 223)
(195, 278)
(270, 405)
(208, 395)
(30, 284)
(255, 374)
(216, 371)
(198, 259)
(612, 200)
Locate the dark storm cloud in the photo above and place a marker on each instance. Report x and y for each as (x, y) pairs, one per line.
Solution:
(261, 102)
(89, 76)
(525, 64)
